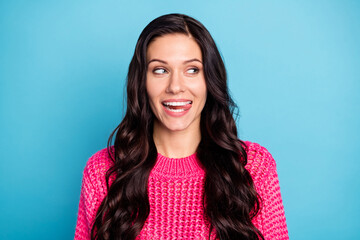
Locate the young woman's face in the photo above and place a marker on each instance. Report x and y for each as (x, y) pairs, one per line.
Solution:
(175, 82)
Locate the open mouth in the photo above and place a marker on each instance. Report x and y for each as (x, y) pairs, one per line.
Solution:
(177, 106)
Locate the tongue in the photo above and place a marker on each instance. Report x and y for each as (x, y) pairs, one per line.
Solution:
(175, 107)
(186, 106)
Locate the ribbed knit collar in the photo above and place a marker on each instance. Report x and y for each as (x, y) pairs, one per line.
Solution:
(177, 167)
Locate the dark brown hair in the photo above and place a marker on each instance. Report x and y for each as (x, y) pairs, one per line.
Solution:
(230, 200)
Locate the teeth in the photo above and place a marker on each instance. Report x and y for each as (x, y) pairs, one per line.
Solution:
(176, 103)
(176, 110)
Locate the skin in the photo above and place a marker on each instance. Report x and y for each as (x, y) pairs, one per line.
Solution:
(175, 71)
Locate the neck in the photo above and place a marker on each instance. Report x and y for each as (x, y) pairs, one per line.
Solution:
(176, 144)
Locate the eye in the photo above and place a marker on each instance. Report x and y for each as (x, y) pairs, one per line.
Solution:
(159, 71)
(192, 70)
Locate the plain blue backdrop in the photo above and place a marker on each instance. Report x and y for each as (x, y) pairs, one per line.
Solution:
(293, 70)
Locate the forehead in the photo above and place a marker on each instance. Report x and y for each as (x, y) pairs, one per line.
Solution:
(174, 47)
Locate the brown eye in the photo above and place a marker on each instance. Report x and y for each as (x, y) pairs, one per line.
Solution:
(159, 71)
(192, 70)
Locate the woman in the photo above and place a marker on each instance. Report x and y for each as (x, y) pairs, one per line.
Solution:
(177, 169)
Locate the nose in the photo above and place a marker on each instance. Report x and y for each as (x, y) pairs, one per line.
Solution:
(175, 84)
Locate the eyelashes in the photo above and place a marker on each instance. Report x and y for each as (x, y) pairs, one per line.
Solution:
(160, 71)
(193, 70)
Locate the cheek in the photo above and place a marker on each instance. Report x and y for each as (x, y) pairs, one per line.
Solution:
(202, 91)
(152, 105)
(153, 94)
(204, 100)
(150, 89)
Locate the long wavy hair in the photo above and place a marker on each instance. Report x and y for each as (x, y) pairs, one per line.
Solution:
(230, 199)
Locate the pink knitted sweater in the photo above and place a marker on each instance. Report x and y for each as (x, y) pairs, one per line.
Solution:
(175, 193)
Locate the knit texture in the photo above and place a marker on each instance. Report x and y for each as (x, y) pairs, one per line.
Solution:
(175, 190)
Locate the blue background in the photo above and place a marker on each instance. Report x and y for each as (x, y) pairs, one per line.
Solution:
(294, 71)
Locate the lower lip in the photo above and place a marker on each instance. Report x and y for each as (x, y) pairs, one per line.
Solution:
(177, 114)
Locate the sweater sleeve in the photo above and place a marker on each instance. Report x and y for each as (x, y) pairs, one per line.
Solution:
(271, 218)
(86, 209)
(93, 191)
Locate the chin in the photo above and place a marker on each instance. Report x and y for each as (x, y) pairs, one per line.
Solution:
(176, 127)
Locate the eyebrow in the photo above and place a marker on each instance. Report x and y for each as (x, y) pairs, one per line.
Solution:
(162, 61)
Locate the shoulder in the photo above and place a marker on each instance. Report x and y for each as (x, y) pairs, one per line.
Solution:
(259, 160)
(98, 164)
